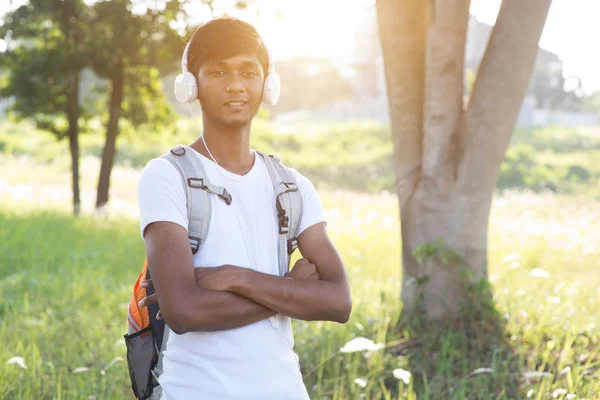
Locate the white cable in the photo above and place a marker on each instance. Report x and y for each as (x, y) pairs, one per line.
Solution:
(236, 210)
(201, 134)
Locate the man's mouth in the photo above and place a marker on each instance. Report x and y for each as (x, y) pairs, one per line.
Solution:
(236, 104)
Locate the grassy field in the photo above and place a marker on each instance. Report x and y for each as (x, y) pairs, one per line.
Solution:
(351, 156)
(65, 284)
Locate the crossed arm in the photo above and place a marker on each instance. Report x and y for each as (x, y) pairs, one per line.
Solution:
(226, 297)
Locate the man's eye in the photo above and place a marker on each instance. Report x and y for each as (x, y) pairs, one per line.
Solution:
(250, 74)
(217, 73)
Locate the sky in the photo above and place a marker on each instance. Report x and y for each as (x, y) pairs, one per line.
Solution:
(571, 31)
(326, 28)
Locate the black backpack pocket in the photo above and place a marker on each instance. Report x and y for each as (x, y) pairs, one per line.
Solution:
(142, 356)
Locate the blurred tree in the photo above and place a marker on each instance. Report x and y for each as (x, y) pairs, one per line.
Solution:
(447, 155)
(310, 83)
(132, 41)
(573, 96)
(554, 92)
(591, 103)
(45, 57)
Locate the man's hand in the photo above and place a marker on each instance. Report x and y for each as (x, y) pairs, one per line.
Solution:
(146, 301)
(316, 289)
(304, 269)
(218, 278)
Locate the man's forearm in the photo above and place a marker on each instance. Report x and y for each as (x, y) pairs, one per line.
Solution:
(297, 298)
(211, 310)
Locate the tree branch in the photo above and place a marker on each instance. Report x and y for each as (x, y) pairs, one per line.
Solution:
(403, 32)
(499, 89)
(444, 83)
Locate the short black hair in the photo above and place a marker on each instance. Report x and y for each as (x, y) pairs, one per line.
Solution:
(222, 38)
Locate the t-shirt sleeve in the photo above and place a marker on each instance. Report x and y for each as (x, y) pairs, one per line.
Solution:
(312, 209)
(161, 195)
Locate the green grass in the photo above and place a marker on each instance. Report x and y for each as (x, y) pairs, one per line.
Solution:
(352, 156)
(64, 288)
(65, 283)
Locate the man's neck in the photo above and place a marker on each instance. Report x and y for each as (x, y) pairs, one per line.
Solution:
(229, 147)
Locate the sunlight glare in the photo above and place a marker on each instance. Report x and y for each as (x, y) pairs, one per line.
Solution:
(311, 27)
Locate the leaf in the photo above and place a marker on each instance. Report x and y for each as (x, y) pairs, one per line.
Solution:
(424, 251)
(447, 254)
(80, 369)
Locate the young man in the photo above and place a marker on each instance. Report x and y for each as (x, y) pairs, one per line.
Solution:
(227, 307)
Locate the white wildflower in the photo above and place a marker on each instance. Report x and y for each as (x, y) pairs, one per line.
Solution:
(403, 375)
(360, 382)
(20, 361)
(537, 375)
(114, 360)
(482, 371)
(360, 344)
(512, 257)
(539, 273)
(559, 392)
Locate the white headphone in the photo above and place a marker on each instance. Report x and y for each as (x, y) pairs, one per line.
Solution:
(186, 87)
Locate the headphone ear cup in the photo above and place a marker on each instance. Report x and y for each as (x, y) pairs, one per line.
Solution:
(272, 88)
(185, 87)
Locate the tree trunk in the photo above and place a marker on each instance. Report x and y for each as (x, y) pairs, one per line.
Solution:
(447, 207)
(73, 132)
(436, 210)
(112, 131)
(460, 221)
(403, 32)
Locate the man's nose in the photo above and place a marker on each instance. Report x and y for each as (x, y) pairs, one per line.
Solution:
(236, 86)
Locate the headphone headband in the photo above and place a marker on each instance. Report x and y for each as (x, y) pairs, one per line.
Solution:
(184, 58)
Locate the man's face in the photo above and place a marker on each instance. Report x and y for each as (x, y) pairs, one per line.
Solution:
(230, 90)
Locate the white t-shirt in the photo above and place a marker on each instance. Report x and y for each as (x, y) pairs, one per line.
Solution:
(254, 362)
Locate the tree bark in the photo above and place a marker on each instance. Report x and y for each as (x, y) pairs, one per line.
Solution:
(112, 131)
(403, 32)
(435, 210)
(457, 153)
(444, 84)
(498, 92)
(73, 133)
